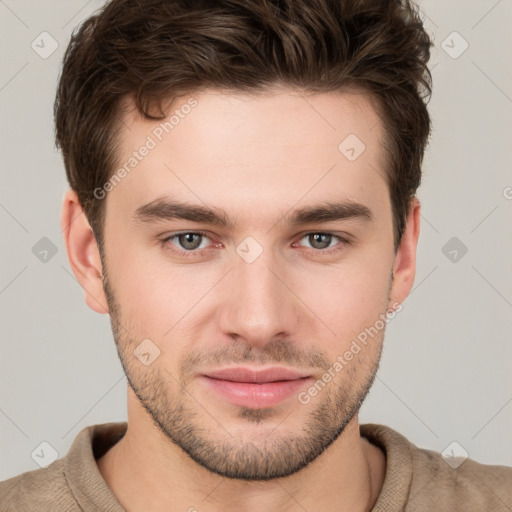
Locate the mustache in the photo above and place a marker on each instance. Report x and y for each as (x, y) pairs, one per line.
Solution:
(275, 352)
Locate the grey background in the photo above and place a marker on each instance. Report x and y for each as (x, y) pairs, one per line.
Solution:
(445, 373)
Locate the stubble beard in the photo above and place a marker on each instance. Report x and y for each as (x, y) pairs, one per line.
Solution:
(186, 421)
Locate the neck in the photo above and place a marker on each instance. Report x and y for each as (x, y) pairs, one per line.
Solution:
(147, 471)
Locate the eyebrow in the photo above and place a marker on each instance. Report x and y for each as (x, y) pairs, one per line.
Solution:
(163, 209)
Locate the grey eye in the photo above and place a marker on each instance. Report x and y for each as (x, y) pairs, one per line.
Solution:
(320, 240)
(187, 241)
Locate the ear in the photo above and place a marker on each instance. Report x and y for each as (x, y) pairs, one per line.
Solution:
(83, 252)
(404, 269)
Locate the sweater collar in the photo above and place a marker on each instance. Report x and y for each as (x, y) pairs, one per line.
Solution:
(92, 492)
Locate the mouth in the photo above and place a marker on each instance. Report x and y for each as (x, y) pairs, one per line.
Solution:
(256, 388)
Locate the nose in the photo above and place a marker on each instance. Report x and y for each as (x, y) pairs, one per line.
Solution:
(258, 303)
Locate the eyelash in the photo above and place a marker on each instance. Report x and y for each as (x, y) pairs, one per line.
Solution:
(194, 253)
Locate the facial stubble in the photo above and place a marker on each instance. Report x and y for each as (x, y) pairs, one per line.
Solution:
(188, 423)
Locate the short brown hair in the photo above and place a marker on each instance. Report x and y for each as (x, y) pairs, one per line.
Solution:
(154, 50)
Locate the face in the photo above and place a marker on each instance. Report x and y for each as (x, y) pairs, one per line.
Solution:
(249, 236)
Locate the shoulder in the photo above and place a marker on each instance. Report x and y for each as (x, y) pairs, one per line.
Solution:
(468, 486)
(41, 489)
(422, 480)
(71, 483)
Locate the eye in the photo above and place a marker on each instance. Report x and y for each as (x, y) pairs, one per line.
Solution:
(323, 242)
(187, 241)
(192, 243)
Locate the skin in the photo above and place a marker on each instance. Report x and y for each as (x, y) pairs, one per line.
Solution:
(258, 158)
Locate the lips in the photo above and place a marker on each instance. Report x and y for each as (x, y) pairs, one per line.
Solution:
(256, 388)
(240, 374)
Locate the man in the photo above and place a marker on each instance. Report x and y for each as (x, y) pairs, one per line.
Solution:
(242, 204)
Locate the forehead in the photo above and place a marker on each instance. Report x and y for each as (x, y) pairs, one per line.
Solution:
(248, 150)
(278, 114)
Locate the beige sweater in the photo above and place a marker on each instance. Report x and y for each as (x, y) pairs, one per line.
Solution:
(416, 479)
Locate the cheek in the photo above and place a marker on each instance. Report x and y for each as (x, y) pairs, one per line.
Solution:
(348, 298)
(158, 298)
